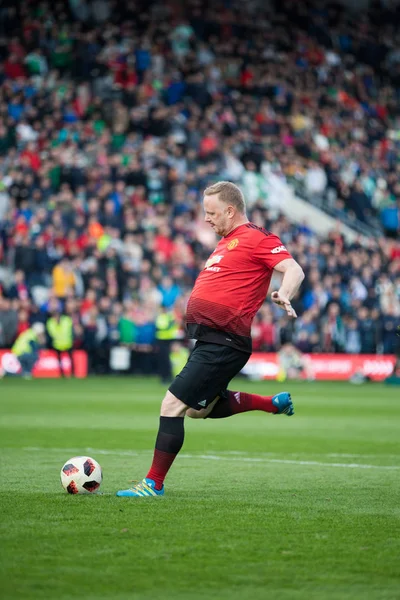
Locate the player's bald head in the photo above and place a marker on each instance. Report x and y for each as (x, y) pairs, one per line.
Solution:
(228, 193)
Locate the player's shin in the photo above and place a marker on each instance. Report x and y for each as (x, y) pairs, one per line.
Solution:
(169, 441)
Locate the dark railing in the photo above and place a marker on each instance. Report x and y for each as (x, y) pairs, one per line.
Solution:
(371, 229)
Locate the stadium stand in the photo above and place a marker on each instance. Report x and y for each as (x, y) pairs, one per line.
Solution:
(115, 116)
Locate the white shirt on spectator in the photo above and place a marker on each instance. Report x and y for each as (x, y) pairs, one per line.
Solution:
(26, 133)
(316, 180)
(254, 187)
(4, 204)
(234, 168)
(358, 289)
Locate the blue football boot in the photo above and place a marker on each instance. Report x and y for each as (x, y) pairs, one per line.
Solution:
(142, 489)
(283, 403)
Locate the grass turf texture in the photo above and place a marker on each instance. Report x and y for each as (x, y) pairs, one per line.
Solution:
(257, 506)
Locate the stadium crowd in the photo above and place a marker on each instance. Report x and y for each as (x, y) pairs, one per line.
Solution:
(115, 116)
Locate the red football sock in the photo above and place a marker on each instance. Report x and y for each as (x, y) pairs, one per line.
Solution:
(240, 402)
(168, 443)
(160, 466)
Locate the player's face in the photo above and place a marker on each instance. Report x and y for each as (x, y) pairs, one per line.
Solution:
(217, 214)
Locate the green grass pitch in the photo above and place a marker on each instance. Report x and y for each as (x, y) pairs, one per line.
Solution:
(257, 506)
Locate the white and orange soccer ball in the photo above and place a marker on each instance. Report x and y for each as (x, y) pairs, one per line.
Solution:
(81, 475)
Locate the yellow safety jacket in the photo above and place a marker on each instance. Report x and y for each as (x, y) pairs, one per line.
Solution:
(166, 327)
(22, 344)
(60, 332)
(178, 360)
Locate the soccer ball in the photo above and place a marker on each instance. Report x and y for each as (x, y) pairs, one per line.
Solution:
(81, 475)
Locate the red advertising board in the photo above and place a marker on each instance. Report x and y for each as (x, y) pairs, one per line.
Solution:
(263, 365)
(47, 365)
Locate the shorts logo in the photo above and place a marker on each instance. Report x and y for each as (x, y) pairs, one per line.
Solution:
(278, 249)
(233, 244)
(203, 403)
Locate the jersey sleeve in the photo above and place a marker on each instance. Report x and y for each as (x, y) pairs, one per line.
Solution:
(271, 251)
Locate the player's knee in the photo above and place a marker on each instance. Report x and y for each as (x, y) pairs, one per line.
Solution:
(172, 407)
(196, 414)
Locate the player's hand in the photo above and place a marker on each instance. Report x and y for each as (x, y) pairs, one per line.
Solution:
(284, 303)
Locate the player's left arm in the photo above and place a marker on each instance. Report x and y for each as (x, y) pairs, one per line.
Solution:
(273, 254)
(293, 275)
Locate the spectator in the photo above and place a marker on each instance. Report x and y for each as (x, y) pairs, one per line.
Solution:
(333, 331)
(60, 331)
(8, 322)
(264, 332)
(166, 332)
(315, 181)
(368, 330)
(179, 355)
(352, 341)
(389, 330)
(143, 355)
(170, 292)
(63, 279)
(19, 289)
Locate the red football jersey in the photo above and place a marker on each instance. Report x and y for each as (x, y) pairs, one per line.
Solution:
(233, 285)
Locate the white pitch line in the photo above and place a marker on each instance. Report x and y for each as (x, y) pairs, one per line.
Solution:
(290, 462)
(247, 459)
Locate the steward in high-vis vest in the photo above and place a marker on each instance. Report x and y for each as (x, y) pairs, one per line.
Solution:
(60, 331)
(179, 356)
(166, 332)
(26, 348)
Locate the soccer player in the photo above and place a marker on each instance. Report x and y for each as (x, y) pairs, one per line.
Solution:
(226, 296)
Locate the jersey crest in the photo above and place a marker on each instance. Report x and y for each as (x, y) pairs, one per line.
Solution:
(232, 244)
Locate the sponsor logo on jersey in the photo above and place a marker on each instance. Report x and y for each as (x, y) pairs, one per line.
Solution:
(214, 269)
(213, 260)
(278, 249)
(232, 244)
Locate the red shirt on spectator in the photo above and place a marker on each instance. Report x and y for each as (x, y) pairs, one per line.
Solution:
(130, 78)
(164, 245)
(22, 291)
(83, 241)
(246, 77)
(263, 335)
(395, 252)
(33, 159)
(23, 323)
(381, 111)
(21, 226)
(79, 107)
(28, 29)
(208, 144)
(315, 55)
(16, 48)
(87, 305)
(13, 70)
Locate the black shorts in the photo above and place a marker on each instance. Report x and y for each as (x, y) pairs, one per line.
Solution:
(207, 373)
